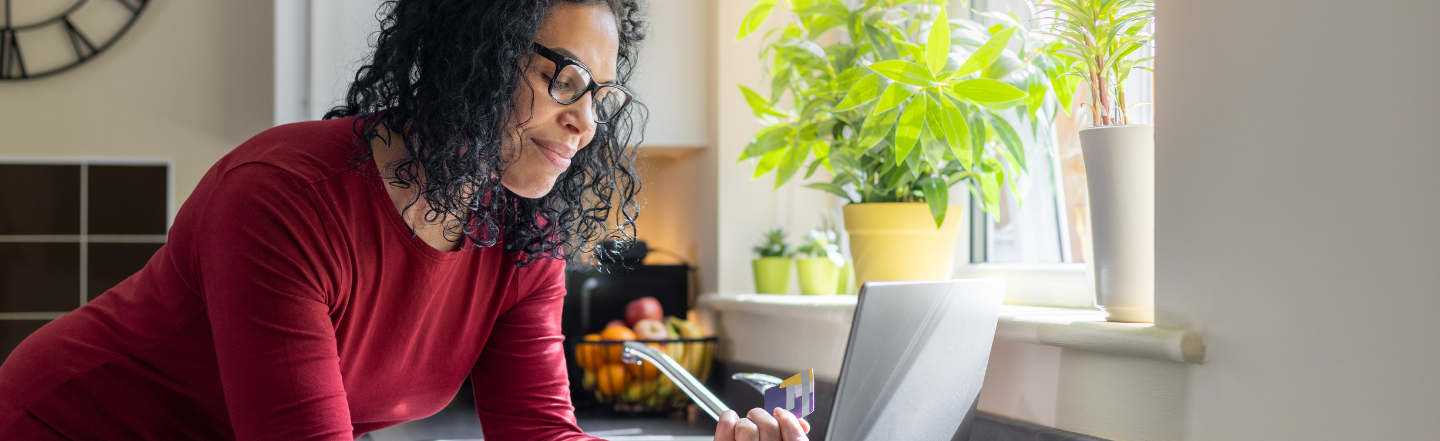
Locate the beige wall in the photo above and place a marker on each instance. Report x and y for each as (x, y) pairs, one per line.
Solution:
(189, 82)
(1296, 200)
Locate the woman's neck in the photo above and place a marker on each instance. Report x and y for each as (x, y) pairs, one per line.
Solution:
(388, 149)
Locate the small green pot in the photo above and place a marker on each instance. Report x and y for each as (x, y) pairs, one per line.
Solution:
(818, 276)
(772, 275)
(846, 280)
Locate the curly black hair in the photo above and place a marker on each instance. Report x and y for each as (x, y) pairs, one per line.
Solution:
(443, 74)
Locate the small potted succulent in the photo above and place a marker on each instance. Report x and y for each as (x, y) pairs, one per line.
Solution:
(772, 266)
(821, 267)
(1098, 43)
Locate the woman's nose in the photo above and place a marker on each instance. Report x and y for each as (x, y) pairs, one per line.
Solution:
(579, 116)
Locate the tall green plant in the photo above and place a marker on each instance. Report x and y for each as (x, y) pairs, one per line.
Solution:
(1098, 39)
(896, 100)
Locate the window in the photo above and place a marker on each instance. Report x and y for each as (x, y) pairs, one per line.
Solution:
(69, 231)
(1039, 240)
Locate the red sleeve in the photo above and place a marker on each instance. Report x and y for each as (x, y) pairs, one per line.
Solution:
(521, 388)
(261, 255)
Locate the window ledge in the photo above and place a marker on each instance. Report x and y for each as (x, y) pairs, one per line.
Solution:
(1074, 328)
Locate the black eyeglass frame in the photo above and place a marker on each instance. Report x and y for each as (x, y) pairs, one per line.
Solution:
(561, 62)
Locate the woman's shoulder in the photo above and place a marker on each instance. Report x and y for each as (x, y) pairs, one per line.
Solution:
(310, 151)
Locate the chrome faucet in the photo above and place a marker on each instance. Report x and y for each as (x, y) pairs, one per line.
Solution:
(635, 352)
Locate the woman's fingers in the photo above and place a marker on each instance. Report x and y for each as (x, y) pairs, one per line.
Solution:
(790, 427)
(725, 427)
(745, 430)
(768, 426)
(805, 425)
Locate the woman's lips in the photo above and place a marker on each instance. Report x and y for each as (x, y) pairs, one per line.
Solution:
(552, 152)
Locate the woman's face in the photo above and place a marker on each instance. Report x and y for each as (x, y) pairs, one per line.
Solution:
(555, 132)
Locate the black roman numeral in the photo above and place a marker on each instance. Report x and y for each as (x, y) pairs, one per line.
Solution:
(12, 62)
(83, 47)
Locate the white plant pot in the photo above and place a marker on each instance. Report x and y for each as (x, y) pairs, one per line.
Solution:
(1120, 174)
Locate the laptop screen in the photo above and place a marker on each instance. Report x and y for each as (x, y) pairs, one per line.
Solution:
(916, 360)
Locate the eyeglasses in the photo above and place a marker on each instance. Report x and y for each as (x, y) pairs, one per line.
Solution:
(572, 80)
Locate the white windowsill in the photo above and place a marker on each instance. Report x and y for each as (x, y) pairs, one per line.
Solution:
(1075, 328)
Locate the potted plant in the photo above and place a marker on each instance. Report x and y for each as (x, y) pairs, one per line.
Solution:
(772, 267)
(898, 109)
(1098, 40)
(820, 269)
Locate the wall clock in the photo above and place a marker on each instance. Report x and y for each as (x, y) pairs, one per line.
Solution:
(44, 37)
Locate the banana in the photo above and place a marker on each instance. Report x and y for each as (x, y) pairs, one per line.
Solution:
(674, 350)
(696, 352)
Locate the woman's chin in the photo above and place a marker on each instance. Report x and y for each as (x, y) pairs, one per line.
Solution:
(530, 190)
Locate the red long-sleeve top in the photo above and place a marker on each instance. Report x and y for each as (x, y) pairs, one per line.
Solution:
(291, 302)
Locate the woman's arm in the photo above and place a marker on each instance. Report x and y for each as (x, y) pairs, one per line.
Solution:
(261, 252)
(521, 388)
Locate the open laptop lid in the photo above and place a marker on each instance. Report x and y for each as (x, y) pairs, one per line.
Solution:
(915, 360)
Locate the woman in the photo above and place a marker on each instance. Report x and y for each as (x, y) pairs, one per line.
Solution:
(330, 278)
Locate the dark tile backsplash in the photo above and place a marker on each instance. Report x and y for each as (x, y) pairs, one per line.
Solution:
(39, 277)
(39, 199)
(111, 263)
(128, 199)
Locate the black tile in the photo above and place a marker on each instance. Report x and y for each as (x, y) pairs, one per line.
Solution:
(39, 199)
(39, 277)
(14, 331)
(111, 263)
(128, 199)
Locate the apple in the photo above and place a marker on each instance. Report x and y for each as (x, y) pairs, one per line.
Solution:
(616, 323)
(647, 329)
(643, 308)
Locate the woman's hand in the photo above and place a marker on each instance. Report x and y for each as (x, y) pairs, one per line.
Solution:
(757, 425)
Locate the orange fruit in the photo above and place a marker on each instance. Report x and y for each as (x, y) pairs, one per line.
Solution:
(587, 355)
(612, 379)
(613, 352)
(645, 370)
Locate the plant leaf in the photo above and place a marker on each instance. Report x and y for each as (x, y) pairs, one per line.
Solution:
(765, 141)
(985, 90)
(986, 54)
(904, 72)
(1010, 139)
(768, 162)
(908, 131)
(791, 164)
(862, 92)
(875, 128)
(758, 104)
(755, 18)
(937, 46)
(937, 196)
(895, 94)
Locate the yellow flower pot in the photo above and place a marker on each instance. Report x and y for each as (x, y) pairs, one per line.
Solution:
(899, 241)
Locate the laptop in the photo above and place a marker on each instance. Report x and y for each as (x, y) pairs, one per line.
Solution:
(913, 366)
(915, 360)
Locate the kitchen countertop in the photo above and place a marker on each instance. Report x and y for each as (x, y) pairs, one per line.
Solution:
(458, 422)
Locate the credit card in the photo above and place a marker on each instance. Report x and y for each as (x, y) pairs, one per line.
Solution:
(796, 394)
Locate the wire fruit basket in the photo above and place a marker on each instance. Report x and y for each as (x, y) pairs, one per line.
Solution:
(641, 388)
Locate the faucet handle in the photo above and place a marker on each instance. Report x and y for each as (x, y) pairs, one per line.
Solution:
(760, 382)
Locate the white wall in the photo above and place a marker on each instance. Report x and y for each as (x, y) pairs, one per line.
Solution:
(1295, 227)
(747, 208)
(1296, 207)
(190, 81)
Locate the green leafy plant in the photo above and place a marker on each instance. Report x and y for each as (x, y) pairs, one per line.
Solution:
(773, 245)
(1097, 41)
(899, 102)
(823, 242)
